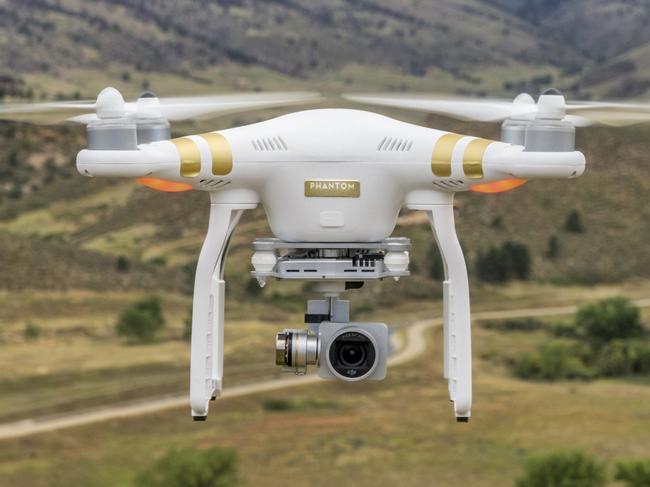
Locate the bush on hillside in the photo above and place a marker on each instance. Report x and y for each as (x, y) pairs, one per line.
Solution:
(492, 265)
(573, 222)
(519, 258)
(499, 264)
(142, 321)
(214, 467)
(609, 319)
(624, 357)
(514, 324)
(552, 248)
(571, 468)
(633, 473)
(32, 331)
(435, 266)
(552, 361)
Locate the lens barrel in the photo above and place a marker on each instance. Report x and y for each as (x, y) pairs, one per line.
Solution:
(296, 349)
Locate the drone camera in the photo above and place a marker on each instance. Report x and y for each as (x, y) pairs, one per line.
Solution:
(346, 351)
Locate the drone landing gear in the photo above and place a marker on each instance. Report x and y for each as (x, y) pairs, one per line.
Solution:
(206, 366)
(457, 338)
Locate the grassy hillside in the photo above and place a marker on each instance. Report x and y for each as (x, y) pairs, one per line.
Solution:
(282, 36)
(72, 48)
(399, 431)
(75, 252)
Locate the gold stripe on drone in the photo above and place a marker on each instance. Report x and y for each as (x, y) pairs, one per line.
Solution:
(443, 152)
(220, 151)
(190, 155)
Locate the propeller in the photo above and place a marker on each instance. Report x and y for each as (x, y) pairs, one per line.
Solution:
(110, 104)
(551, 104)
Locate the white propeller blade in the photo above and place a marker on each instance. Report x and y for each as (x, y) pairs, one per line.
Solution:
(173, 109)
(478, 110)
(495, 110)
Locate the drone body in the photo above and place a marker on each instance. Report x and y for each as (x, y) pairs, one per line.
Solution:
(329, 177)
(299, 167)
(332, 183)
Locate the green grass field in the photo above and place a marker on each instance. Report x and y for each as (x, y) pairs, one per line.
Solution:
(399, 432)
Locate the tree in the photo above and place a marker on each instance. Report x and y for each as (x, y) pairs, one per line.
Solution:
(519, 259)
(435, 265)
(570, 468)
(633, 473)
(552, 248)
(141, 321)
(214, 467)
(609, 319)
(573, 222)
(122, 264)
(492, 265)
(499, 264)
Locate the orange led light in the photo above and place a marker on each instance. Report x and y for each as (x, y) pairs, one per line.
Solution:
(164, 185)
(498, 186)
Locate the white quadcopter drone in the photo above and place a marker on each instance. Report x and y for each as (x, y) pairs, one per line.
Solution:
(332, 182)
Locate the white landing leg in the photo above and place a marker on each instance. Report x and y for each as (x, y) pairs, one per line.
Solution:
(206, 367)
(456, 311)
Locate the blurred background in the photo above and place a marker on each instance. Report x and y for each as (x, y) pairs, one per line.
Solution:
(96, 275)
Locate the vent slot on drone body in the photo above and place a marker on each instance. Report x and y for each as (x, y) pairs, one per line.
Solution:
(213, 183)
(394, 144)
(270, 144)
(449, 185)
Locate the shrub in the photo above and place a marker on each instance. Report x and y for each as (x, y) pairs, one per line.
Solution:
(552, 361)
(573, 222)
(253, 287)
(281, 405)
(214, 467)
(514, 324)
(32, 331)
(633, 473)
(519, 259)
(159, 261)
(499, 264)
(609, 319)
(565, 330)
(571, 468)
(624, 357)
(552, 248)
(122, 264)
(492, 265)
(435, 266)
(142, 321)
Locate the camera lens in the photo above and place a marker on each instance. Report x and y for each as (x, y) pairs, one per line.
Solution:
(352, 354)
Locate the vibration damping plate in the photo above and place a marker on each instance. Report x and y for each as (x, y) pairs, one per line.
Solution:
(342, 261)
(392, 244)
